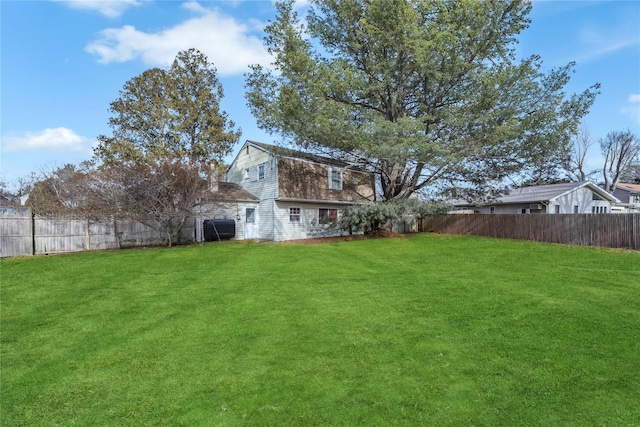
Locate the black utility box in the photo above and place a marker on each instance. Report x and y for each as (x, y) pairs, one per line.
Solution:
(219, 229)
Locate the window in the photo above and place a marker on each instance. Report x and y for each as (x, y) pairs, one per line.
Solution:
(261, 171)
(575, 209)
(557, 209)
(294, 214)
(593, 209)
(492, 209)
(335, 179)
(327, 216)
(246, 174)
(250, 216)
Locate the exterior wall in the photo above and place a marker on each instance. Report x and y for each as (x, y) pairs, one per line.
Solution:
(227, 210)
(629, 200)
(583, 199)
(308, 227)
(299, 179)
(265, 189)
(622, 194)
(250, 158)
(512, 209)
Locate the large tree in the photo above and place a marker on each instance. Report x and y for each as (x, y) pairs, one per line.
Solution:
(167, 129)
(172, 112)
(621, 151)
(422, 92)
(576, 155)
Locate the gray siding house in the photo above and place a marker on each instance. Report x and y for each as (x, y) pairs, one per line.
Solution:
(299, 195)
(629, 196)
(567, 198)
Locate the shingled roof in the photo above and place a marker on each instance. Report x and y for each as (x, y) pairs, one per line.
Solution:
(633, 188)
(231, 192)
(295, 154)
(546, 193)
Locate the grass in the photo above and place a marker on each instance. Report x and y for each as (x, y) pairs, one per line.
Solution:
(423, 330)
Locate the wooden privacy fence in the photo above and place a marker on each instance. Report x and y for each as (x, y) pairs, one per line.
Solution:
(26, 234)
(605, 230)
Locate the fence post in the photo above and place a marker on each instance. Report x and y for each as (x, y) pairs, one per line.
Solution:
(32, 231)
(115, 232)
(88, 236)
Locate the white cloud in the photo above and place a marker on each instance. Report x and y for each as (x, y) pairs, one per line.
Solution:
(634, 98)
(297, 4)
(111, 9)
(632, 109)
(47, 139)
(600, 40)
(226, 42)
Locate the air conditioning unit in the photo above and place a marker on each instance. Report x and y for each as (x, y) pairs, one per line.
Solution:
(535, 207)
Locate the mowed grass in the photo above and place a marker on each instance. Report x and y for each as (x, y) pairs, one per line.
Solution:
(421, 330)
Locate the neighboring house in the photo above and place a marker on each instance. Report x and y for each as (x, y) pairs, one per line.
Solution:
(299, 195)
(629, 196)
(575, 197)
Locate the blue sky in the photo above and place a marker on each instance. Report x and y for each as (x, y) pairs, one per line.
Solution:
(63, 63)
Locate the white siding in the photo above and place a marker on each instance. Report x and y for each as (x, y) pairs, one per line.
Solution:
(308, 226)
(266, 190)
(233, 211)
(583, 199)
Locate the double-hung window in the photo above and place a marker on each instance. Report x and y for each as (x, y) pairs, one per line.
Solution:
(261, 171)
(294, 214)
(335, 178)
(327, 216)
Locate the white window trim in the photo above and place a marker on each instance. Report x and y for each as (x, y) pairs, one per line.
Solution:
(292, 215)
(332, 171)
(263, 167)
(332, 220)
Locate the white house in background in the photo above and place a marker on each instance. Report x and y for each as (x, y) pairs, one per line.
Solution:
(298, 195)
(567, 198)
(629, 196)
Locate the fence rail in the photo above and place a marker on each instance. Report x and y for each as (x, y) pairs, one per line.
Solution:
(27, 234)
(605, 230)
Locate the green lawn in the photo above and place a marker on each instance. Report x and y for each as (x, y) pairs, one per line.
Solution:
(422, 330)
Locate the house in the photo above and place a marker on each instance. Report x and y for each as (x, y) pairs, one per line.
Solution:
(295, 195)
(567, 198)
(629, 196)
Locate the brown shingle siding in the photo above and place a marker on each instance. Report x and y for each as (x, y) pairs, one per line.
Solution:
(307, 180)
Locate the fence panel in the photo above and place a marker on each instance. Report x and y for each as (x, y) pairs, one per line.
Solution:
(16, 237)
(25, 234)
(607, 230)
(59, 235)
